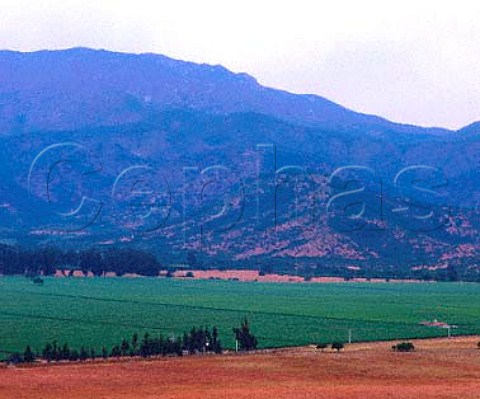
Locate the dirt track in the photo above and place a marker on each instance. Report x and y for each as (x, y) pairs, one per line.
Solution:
(440, 368)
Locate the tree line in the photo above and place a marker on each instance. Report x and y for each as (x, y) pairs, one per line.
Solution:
(15, 260)
(197, 340)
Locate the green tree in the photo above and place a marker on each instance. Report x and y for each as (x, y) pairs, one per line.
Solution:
(65, 352)
(55, 351)
(74, 355)
(146, 346)
(28, 355)
(83, 354)
(246, 340)
(104, 352)
(191, 259)
(216, 345)
(116, 351)
(452, 273)
(47, 352)
(134, 344)
(125, 347)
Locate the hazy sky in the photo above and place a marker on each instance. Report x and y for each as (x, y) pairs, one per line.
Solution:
(410, 61)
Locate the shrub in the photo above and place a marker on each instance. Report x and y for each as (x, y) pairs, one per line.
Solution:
(338, 346)
(322, 346)
(403, 347)
(15, 358)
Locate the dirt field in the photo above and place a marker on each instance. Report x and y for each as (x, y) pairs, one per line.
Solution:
(440, 368)
(254, 275)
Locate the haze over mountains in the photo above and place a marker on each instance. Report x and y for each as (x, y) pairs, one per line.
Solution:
(109, 149)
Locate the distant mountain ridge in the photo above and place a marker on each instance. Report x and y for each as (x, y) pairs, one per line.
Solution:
(79, 87)
(473, 128)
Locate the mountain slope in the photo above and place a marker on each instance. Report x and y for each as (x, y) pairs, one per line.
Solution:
(105, 149)
(80, 87)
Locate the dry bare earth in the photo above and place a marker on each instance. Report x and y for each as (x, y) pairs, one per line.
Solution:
(441, 368)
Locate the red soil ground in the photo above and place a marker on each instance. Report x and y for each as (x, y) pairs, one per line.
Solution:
(440, 368)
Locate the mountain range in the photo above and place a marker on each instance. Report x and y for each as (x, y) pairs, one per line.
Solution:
(104, 149)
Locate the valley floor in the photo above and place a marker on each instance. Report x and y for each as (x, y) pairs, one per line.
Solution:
(440, 368)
